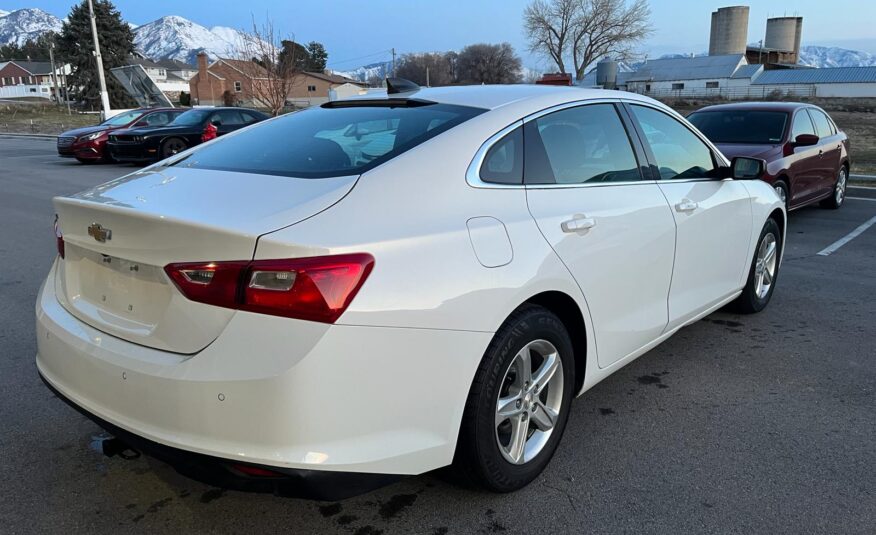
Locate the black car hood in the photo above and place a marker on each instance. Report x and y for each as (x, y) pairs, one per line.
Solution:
(162, 130)
(85, 130)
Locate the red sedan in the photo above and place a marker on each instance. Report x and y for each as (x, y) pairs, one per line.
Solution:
(88, 144)
(807, 155)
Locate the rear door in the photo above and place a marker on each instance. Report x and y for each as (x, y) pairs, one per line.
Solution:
(712, 215)
(805, 168)
(606, 220)
(829, 151)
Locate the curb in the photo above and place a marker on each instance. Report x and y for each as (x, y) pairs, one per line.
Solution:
(869, 179)
(46, 136)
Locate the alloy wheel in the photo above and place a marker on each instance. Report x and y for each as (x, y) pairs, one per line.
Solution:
(765, 265)
(529, 402)
(780, 191)
(840, 191)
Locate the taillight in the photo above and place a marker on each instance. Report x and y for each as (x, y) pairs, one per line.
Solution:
(208, 133)
(59, 238)
(316, 289)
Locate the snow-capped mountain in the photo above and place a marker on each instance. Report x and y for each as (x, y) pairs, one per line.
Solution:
(367, 72)
(831, 56)
(3, 13)
(174, 37)
(24, 24)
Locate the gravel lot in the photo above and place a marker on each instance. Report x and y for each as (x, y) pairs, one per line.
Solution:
(738, 424)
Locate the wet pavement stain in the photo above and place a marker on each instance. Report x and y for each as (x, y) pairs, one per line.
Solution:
(440, 531)
(654, 378)
(368, 530)
(330, 509)
(395, 505)
(212, 494)
(726, 323)
(344, 520)
(606, 412)
(157, 506)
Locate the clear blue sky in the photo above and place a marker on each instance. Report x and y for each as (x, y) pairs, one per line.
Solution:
(359, 32)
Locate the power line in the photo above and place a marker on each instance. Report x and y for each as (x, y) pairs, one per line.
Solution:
(386, 51)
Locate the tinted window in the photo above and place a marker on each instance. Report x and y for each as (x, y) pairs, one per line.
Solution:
(503, 163)
(578, 145)
(822, 123)
(230, 117)
(330, 141)
(741, 126)
(123, 118)
(802, 124)
(678, 152)
(191, 118)
(249, 117)
(159, 118)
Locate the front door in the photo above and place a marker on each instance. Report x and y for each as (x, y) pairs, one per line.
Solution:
(806, 174)
(612, 229)
(712, 216)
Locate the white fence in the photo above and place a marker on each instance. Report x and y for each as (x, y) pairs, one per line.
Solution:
(750, 92)
(18, 91)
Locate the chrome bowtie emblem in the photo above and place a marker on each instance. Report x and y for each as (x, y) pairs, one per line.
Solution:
(99, 233)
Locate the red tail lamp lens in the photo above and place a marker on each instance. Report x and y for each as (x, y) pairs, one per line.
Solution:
(255, 471)
(316, 289)
(210, 132)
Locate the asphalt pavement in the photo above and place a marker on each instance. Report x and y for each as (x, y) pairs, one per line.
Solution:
(737, 424)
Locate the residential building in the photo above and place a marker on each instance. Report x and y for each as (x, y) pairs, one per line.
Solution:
(29, 78)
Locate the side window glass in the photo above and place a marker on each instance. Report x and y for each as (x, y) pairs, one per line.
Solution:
(585, 144)
(679, 152)
(230, 117)
(157, 119)
(503, 163)
(802, 125)
(822, 124)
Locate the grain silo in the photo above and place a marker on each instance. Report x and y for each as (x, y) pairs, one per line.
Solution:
(729, 31)
(606, 74)
(783, 33)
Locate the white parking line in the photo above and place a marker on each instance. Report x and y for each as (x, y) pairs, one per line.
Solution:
(861, 199)
(847, 238)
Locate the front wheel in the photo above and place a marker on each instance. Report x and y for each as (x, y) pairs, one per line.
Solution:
(519, 402)
(764, 271)
(172, 146)
(839, 190)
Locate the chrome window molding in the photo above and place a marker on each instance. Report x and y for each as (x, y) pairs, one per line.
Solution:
(472, 174)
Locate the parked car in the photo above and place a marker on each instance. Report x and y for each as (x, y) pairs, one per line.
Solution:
(807, 155)
(88, 144)
(387, 285)
(187, 130)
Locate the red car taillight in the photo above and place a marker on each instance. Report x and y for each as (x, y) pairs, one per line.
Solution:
(59, 239)
(316, 289)
(208, 133)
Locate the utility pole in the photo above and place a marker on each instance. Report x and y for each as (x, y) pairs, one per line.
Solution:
(393, 61)
(427, 77)
(104, 96)
(54, 73)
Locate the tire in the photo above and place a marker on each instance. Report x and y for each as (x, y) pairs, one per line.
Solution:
(838, 195)
(755, 296)
(783, 191)
(486, 441)
(171, 146)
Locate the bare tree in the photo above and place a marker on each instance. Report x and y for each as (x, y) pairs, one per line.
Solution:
(586, 29)
(271, 67)
(414, 67)
(489, 64)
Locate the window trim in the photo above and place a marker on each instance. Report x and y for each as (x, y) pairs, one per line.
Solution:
(238, 86)
(472, 174)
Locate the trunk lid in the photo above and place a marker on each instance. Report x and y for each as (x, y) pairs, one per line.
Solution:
(112, 276)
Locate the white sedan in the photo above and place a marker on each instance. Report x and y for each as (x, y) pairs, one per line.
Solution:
(380, 287)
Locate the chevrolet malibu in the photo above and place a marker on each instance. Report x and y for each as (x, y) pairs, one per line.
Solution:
(378, 287)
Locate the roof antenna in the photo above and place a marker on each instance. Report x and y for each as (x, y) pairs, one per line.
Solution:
(400, 85)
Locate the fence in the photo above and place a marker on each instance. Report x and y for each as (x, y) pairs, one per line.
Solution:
(750, 92)
(23, 90)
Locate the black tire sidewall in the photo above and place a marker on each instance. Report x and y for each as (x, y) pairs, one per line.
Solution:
(750, 302)
(478, 445)
(168, 141)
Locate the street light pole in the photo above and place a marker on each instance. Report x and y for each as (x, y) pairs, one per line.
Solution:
(54, 73)
(104, 96)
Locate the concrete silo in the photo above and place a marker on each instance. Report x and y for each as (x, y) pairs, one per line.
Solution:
(729, 33)
(606, 74)
(783, 33)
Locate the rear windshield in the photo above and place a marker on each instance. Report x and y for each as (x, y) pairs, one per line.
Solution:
(319, 142)
(741, 126)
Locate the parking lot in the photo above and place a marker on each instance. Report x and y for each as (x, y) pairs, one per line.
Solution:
(738, 424)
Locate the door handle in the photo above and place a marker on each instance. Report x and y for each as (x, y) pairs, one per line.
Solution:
(686, 205)
(820, 153)
(579, 224)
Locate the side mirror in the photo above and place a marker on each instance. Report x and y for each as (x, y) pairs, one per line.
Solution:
(806, 140)
(747, 168)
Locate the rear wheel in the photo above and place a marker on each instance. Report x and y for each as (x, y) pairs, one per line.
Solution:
(839, 190)
(782, 191)
(764, 271)
(519, 402)
(172, 146)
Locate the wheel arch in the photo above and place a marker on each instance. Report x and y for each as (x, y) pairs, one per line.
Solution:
(567, 309)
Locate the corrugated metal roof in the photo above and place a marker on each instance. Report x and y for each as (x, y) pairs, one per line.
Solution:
(830, 75)
(747, 71)
(696, 68)
(590, 79)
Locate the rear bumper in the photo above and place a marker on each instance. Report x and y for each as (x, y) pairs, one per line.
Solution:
(272, 391)
(308, 484)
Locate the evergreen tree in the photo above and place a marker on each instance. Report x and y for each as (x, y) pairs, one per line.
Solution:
(317, 57)
(76, 46)
(295, 55)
